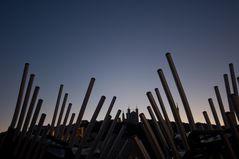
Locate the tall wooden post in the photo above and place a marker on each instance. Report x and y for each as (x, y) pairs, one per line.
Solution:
(233, 78)
(209, 125)
(82, 110)
(56, 109)
(20, 96)
(214, 113)
(174, 110)
(164, 110)
(25, 103)
(228, 90)
(221, 106)
(181, 92)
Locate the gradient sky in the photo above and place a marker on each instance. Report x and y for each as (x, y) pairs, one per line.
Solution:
(121, 43)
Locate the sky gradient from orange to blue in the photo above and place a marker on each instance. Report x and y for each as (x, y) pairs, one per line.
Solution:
(121, 43)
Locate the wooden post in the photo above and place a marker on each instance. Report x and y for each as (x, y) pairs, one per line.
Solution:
(152, 138)
(164, 110)
(209, 125)
(90, 127)
(233, 125)
(82, 110)
(159, 116)
(103, 127)
(111, 129)
(56, 109)
(65, 121)
(69, 127)
(221, 106)
(214, 113)
(233, 78)
(235, 102)
(20, 96)
(181, 92)
(165, 128)
(60, 115)
(35, 116)
(141, 147)
(174, 111)
(228, 90)
(116, 142)
(31, 107)
(25, 103)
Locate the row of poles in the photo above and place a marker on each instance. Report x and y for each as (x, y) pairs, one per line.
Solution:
(25, 138)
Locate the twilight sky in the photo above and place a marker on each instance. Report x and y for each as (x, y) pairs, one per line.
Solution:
(121, 43)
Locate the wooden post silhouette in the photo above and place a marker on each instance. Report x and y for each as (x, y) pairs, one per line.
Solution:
(61, 114)
(164, 110)
(228, 90)
(181, 92)
(141, 147)
(82, 110)
(31, 107)
(221, 106)
(69, 127)
(174, 110)
(209, 125)
(20, 96)
(56, 109)
(152, 138)
(235, 102)
(214, 113)
(65, 121)
(90, 127)
(25, 103)
(233, 79)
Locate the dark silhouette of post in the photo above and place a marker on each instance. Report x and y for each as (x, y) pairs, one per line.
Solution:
(56, 109)
(233, 79)
(176, 116)
(181, 92)
(152, 138)
(31, 107)
(228, 90)
(209, 125)
(20, 96)
(214, 113)
(141, 147)
(61, 115)
(165, 114)
(221, 106)
(25, 103)
(82, 110)
(90, 126)
(65, 121)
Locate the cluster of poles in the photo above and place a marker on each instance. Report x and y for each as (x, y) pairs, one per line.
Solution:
(156, 138)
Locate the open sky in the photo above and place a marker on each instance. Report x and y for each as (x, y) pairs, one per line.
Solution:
(121, 43)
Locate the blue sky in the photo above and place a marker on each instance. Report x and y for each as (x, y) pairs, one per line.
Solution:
(121, 44)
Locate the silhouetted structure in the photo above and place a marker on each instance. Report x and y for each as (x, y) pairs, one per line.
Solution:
(126, 138)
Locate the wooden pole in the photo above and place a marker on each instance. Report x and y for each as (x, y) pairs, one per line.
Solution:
(233, 78)
(65, 121)
(181, 92)
(164, 110)
(82, 110)
(152, 138)
(35, 116)
(61, 115)
(116, 142)
(111, 129)
(174, 110)
(31, 107)
(20, 96)
(214, 113)
(228, 90)
(235, 102)
(209, 125)
(141, 147)
(221, 106)
(56, 109)
(69, 127)
(25, 103)
(90, 127)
